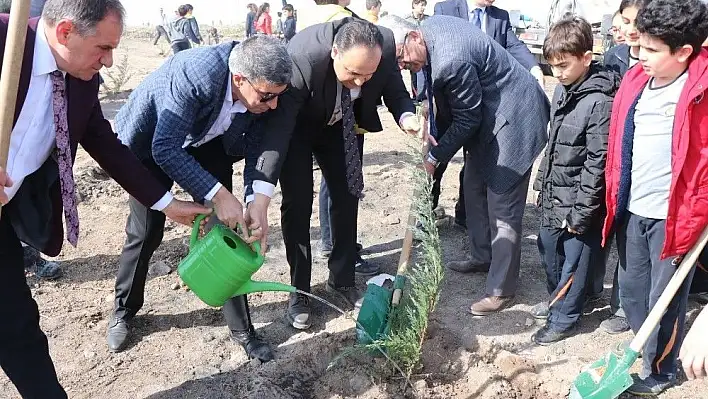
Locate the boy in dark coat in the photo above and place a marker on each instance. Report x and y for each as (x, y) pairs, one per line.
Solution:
(571, 178)
(289, 24)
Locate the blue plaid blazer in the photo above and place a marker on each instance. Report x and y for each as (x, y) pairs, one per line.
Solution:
(181, 101)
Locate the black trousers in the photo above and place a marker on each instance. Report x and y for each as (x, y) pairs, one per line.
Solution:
(180, 46)
(24, 351)
(145, 228)
(296, 180)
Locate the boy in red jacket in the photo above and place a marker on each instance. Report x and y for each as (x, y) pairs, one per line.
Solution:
(657, 174)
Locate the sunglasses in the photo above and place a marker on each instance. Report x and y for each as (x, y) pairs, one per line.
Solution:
(266, 97)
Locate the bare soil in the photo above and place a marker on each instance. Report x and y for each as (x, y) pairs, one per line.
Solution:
(181, 347)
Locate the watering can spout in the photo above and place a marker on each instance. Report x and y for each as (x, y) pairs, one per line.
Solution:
(260, 286)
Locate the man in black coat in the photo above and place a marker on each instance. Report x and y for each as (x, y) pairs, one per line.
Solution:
(341, 70)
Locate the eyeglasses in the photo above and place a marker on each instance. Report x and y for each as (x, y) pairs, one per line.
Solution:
(402, 54)
(266, 97)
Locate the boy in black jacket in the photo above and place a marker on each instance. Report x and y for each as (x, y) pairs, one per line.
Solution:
(571, 178)
(289, 24)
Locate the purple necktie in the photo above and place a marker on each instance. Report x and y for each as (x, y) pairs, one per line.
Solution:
(63, 152)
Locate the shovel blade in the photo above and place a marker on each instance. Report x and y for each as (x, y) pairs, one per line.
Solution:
(607, 378)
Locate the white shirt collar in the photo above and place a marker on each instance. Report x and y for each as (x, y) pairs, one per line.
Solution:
(236, 107)
(471, 6)
(43, 62)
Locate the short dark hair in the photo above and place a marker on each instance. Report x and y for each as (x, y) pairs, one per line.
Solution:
(416, 2)
(356, 33)
(570, 35)
(288, 7)
(85, 14)
(189, 7)
(182, 10)
(675, 22)
(324, 2)
(372, 3)
(638, 4)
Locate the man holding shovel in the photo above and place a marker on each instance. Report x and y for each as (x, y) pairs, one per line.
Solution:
(57, 109)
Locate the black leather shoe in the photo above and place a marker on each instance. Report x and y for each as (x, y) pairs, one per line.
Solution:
(117, 336)
(363, 267)
(255, 347)
(548, 335)
(351, 295)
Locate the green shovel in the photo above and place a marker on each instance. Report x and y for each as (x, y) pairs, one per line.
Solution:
(608, 377)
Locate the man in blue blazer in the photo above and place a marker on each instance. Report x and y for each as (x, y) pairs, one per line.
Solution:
(188, 122)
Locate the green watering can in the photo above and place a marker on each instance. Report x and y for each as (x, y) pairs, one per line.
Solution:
(220, 266)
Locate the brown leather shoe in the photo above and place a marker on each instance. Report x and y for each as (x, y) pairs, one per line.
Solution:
(466, 266)
(490, 304)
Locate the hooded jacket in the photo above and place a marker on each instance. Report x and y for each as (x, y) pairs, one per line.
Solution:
(688, 196)
(571, 177)
(180, 30)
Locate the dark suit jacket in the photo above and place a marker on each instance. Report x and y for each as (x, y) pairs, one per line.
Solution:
(486, 102)
(36, 210)
(307, 107)
(498, 27)
(179, 102)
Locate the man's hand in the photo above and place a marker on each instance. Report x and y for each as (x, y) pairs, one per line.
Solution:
(230, 211)
(257, 220)
(429, 167)
(694, 351)
(185, 212)
(5, 181)
(411, 125)
(538, 74)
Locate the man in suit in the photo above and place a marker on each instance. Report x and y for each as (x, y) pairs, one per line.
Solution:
(494, 22)
(477, 86)
(342, 69)
(57, 109)
(190, 127)
(34, 262)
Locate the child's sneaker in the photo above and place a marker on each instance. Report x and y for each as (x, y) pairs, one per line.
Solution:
(649, 386)
(548, 335)
(540, 311)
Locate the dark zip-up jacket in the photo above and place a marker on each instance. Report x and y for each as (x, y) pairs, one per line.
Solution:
(571, 177)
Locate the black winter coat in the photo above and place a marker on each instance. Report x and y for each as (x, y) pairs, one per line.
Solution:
(571, 177)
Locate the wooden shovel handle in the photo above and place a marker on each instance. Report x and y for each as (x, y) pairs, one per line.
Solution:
(408, 238)
(10, 73)
(657, 312)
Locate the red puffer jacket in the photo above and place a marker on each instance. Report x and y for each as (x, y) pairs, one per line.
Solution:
(688, 198)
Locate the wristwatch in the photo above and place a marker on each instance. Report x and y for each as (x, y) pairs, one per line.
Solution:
(431, 160)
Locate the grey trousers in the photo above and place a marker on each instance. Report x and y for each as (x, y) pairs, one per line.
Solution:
(494, 228)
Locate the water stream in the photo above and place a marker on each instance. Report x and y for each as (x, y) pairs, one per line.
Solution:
(350, 317)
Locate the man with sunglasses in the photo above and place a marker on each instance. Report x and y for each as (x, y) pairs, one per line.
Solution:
(488, 104)
(188, 122)
(342, 69)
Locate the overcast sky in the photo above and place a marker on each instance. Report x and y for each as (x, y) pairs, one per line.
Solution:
(234, 11)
